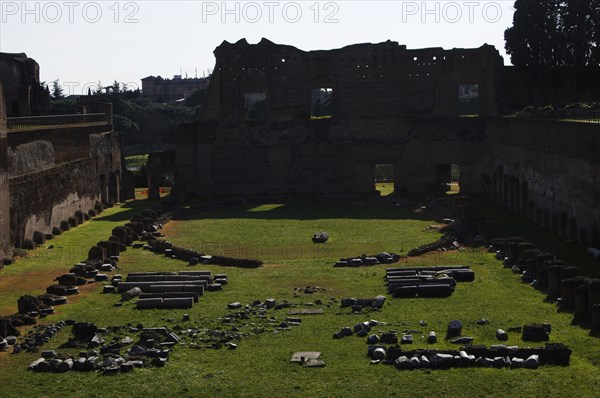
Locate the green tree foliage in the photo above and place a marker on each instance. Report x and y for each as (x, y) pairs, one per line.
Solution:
(63, 106)
(115, 89)
(57, 91)
(137, 119)
(554, 33)
(124, 125)
(99, 88)
(140, 121)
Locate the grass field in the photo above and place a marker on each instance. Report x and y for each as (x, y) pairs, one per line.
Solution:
(134, 163)
(385, 188)
(142, 193)
(279, 234)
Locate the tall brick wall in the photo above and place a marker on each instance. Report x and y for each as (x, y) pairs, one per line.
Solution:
(42, 199)
(5, 248)
(548, 170)
(391, 105)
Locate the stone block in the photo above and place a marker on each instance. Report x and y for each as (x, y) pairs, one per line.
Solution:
(39, 237)
(97, 253)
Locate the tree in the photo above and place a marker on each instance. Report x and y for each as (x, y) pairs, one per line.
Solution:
(57, 91)
(595, 14)
(578, 26)
(554, 33)
(99, 88)
(115, 89)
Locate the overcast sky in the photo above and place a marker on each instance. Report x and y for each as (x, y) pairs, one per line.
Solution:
(83, 42)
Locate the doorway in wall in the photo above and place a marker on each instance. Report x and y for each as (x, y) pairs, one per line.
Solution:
(468, 100)
(447, 177)
(321, 103)
(384, 179)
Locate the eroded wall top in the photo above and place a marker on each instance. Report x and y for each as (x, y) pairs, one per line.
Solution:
(367, 80)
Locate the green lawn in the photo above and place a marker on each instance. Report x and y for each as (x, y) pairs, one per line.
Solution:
(385, 188)
(135, 162)
(279, 233)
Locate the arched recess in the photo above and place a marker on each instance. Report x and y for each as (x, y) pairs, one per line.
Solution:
(323, 97)
(255, 95)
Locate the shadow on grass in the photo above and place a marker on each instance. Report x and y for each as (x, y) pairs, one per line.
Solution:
(583, 323)
(307, 210)
(512, 223)
(133, 207)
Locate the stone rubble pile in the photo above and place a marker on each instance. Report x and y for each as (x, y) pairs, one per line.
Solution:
(193, 257)
(243, 321)
(358, 304)
(362, 260)
(362, 329)
(320, 237)
(82, 273)
(426, 281)
(38, 336)
(118, 355)
(559, 280)
(500, 356)
(446, 242)
(310, 289)
(9, 324)
(166, 289)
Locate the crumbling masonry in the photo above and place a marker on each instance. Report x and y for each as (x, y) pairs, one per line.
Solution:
(54, 170)
(261, 132)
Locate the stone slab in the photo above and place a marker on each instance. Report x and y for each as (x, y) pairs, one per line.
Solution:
(305, 311)
(297, 357)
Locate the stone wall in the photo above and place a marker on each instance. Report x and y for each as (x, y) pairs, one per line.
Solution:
(52, 176)
(390, 105)
(327, 156)
(68, 143)
(20, 77)
(54, 169)
(42, 199)
(5, 247)
(368, 80)
(31, 156)
(549, 171)
(393, 106)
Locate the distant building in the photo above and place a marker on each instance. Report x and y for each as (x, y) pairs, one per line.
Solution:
(163, 90)
(20, 77)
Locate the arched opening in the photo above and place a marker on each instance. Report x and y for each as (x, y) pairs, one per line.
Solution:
(447, 177)
(468, 100)
(384, 179)
(255, 106)
(321, 103)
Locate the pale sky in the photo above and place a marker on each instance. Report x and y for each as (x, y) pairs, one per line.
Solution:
(83, 42)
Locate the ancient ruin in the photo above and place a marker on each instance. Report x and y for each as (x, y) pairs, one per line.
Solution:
(289, 144)
(55, 170)
(20, 77)
(279, 120)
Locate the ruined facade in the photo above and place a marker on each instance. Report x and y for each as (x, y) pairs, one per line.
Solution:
(278, 120)
(20, 77)
(53, 171)
(548, 171)
(163, 90)
(387, 105)
(5, 246)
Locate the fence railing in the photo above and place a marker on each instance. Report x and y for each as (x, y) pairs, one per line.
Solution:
(40, 122)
